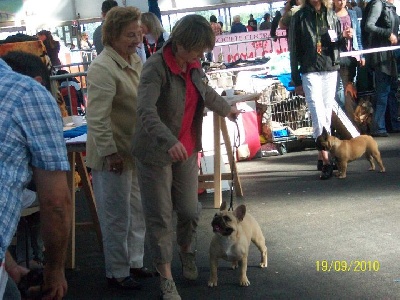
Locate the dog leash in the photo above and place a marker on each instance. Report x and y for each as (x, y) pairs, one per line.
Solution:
(236, 143)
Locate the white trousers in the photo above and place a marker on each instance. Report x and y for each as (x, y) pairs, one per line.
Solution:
(121, 220)
(320, 90)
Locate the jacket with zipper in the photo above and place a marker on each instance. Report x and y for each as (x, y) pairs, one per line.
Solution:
(303, 43)
(161, 105)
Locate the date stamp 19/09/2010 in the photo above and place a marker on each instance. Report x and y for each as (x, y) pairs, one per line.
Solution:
(347, 265)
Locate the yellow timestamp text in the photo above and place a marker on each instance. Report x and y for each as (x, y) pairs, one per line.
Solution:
(347, 265)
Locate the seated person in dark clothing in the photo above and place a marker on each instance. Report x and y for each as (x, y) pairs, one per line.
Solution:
(72, 81)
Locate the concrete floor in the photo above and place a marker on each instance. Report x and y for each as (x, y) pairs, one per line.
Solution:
(305, 221)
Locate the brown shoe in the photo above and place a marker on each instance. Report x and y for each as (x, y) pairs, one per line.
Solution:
(142, 273)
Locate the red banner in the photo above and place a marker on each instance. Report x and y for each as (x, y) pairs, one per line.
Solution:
(248, 45)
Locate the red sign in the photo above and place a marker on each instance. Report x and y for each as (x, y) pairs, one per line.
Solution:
(248, 45)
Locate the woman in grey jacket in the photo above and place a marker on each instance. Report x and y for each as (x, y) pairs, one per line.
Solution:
(172, 96)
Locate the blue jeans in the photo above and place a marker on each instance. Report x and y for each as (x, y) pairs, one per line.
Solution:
(386, 88)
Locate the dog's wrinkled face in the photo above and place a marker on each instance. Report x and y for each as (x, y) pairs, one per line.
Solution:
(225, 222)
(363, 112)
(322, 142)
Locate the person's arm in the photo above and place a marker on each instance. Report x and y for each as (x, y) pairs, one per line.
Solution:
(15, 271)
(293, 48)
(151, 89)
(372, 18)
(55, 217)
(101, 92)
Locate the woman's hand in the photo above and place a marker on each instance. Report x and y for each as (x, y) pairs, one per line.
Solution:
(178, 152)
(393, 39)
(299, 90)
(348, 33)
(233, 114)
(351, 90)
(115, 163)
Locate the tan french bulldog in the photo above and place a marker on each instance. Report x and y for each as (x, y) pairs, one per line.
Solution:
(346, 151)
(234, 230)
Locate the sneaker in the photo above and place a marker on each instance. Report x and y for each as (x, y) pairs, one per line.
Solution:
(380, 134)
(326, 172)
(189, 268)
(168, 290)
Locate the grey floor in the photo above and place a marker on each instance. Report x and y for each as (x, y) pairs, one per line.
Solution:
(305, 221)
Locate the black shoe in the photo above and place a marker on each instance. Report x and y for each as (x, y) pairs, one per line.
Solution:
(334, 165)
(380, 134)
(326, 172)
(319, 164)
(128, 283)
(394, 131)
(142, 273)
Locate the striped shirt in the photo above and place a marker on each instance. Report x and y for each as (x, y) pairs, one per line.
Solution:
(31, 135)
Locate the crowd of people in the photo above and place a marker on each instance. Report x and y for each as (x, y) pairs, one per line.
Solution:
(144, 117)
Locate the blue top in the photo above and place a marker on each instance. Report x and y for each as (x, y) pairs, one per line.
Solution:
(31, 135)
(238, 27)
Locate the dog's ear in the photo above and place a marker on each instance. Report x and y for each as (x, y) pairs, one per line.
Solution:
(324, 132)
(240, 212)
(223, 206)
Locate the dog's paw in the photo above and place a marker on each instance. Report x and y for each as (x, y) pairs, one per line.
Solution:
(263, 264)
(244, 281)
(212, 283)
(235, 265)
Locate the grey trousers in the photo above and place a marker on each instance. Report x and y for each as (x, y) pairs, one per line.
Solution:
(121, 220)
(165, 189)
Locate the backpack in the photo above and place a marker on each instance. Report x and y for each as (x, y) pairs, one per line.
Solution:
(365, 35)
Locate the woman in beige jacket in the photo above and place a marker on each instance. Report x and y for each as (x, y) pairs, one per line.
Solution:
(113, 79)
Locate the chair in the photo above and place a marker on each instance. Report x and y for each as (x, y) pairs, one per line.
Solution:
(71, 99)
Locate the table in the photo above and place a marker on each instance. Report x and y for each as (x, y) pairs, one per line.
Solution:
(214, 180)
(75, 157)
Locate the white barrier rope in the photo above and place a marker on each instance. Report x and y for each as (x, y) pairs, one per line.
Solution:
(366, 51)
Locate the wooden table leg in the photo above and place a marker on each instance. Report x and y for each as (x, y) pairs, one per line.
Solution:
(70, 261)
(88, 190)
(217, 161)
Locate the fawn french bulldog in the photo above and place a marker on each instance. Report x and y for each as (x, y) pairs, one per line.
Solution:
(233, 233)
(346, 151)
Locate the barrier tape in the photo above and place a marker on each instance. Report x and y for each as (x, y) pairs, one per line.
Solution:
(366, 51)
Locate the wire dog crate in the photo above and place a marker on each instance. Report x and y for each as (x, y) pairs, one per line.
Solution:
(284, 116)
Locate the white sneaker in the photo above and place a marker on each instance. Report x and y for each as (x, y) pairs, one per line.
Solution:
(189, 268)
(168, 290)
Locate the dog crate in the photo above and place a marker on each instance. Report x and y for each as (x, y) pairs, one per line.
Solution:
(285, 118)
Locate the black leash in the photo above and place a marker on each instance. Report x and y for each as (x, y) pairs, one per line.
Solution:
(236, 144)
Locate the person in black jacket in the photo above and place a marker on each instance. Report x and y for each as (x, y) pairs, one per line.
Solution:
(382, 24)
(275, 24)
(314, 47)
(154, 34)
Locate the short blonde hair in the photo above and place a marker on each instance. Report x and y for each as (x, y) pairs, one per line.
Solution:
(193, 32)
(116, 20)
(153, 24)
(236, 18)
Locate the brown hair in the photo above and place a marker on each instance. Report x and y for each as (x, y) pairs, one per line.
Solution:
(117, 19)
(49, 38)
(193, 32)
